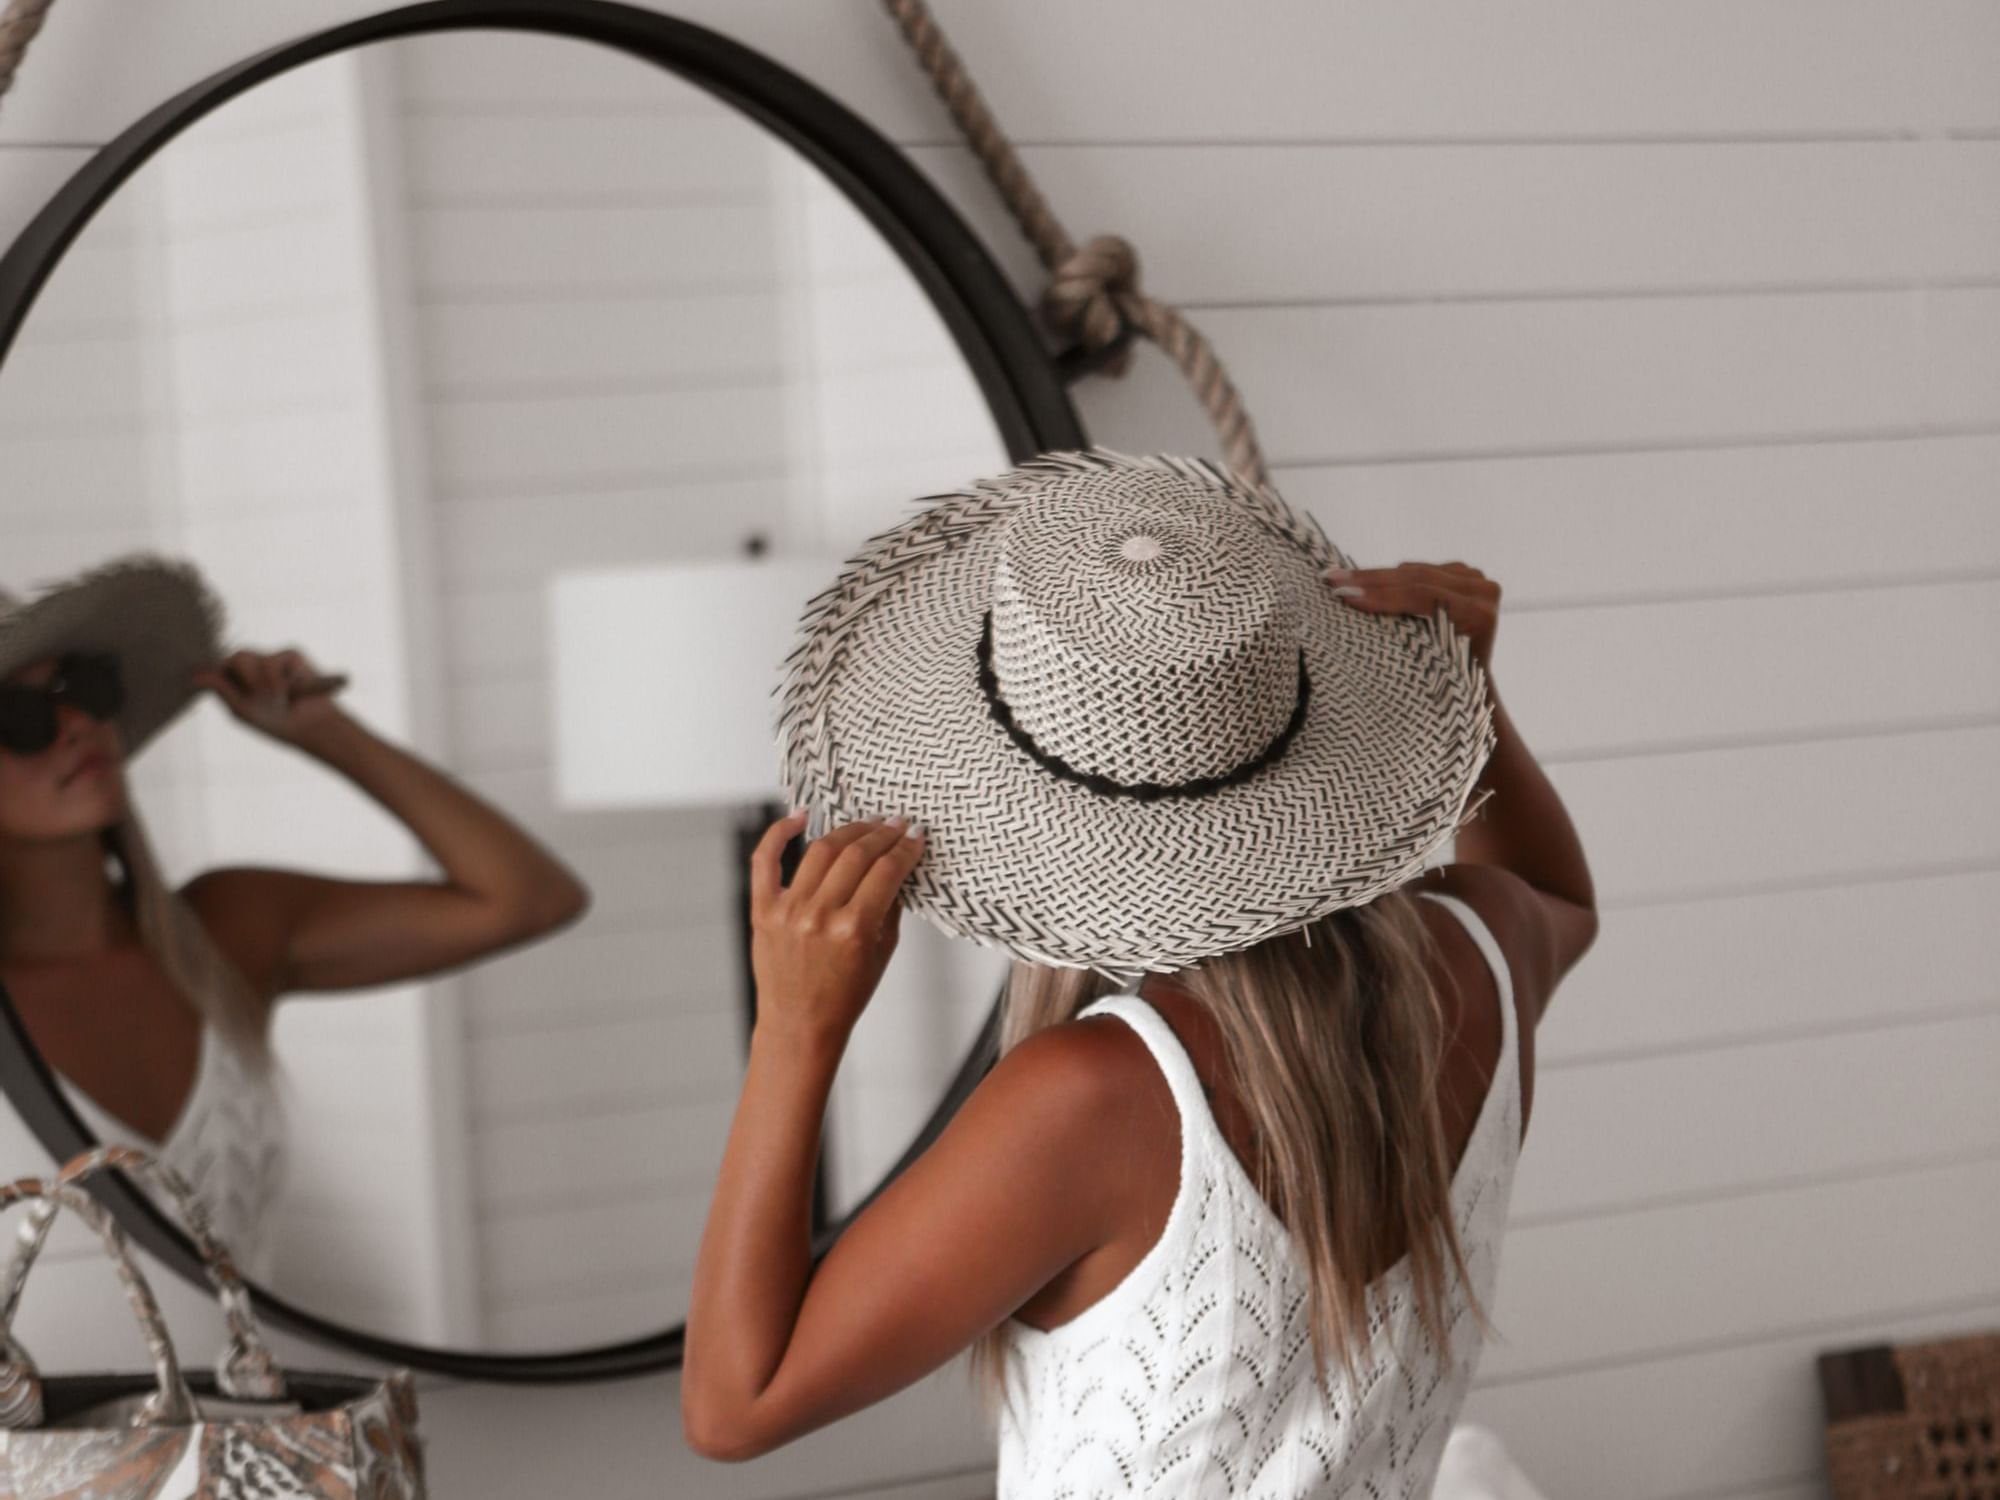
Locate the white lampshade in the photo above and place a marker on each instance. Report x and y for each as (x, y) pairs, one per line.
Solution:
(662, 679)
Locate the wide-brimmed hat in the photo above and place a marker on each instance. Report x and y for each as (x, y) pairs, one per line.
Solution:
(156, 613)
(1138, 727)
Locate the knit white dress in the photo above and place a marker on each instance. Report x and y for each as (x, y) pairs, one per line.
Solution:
(1193, 1376)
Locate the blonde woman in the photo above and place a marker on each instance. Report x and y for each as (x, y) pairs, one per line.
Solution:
(1224, 1217)
(154, 1005)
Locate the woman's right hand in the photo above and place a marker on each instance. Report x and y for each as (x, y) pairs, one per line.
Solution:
(279, 692)
(1469, 597)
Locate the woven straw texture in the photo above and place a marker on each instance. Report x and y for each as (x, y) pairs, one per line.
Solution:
(1149, 619)
(156, 613)
(1942, 1445)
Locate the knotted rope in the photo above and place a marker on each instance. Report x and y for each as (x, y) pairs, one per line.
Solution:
(1093, 295)
(17, 28)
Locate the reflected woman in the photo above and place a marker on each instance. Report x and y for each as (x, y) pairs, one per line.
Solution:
(154, 1006)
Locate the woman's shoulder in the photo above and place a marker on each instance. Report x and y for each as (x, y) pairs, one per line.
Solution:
(1102, 1105)
(1088, 1083)
(234, 907)
(1088, 1062)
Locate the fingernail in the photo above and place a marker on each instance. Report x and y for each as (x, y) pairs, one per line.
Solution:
(1348, 590)
(897, 821)
(1336, 573)
(914, 831)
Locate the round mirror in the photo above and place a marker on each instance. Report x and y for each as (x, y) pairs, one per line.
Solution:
(529, 367)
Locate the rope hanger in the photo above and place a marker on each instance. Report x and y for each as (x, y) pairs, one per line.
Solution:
(1093, 293)
(18, 26)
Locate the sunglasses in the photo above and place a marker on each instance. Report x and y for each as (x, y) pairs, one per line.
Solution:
(28, 719)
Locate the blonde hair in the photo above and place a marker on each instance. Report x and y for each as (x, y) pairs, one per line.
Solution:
(1333, 1040)
(177, 938)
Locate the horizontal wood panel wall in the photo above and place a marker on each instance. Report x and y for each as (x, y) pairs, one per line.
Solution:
(1682, 323)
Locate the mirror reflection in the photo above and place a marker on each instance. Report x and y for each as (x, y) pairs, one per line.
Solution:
(523, 392)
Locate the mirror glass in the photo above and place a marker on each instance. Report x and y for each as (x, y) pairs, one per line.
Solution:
(533, 389)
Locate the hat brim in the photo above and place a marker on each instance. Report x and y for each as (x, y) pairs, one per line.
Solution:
(881, 713)
(155, 613)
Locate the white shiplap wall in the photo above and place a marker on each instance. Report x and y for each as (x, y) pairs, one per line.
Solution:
(1679, 321)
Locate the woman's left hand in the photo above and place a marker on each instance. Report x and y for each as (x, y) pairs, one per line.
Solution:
(818, 946)
(259, 688)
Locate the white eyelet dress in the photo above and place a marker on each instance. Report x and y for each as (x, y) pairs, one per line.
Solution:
(1193, 1376)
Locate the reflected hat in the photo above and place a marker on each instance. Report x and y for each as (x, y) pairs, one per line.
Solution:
(1137, 726)
(156, 614)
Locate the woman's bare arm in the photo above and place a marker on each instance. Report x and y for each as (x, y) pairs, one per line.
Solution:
(1019, 1186)
(500, 887)
(1026, 1177)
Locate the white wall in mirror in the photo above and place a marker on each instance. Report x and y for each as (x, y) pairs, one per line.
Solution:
(398, 342)
(589, 237)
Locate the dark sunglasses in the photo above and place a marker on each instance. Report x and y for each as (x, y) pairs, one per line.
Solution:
(28, 719)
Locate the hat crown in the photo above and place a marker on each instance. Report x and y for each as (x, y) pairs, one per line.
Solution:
(1149, 635)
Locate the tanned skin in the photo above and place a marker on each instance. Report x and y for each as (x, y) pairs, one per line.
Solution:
(1057, 1174)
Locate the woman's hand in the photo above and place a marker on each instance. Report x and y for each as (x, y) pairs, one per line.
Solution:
(266, 691)
(1469, 597)
(818, 946)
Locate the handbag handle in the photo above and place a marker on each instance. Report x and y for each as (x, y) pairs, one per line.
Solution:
(247, 1370)
(171, 1404)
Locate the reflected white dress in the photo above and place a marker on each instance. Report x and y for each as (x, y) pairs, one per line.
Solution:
(228, 1142)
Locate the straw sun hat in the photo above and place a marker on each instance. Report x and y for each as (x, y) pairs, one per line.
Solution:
(1138, 728)
(155, 613)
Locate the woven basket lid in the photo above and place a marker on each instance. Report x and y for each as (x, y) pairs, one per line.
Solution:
(1137, 726)
(156, 614)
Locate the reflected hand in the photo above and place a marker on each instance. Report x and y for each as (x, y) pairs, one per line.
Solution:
(818, 946)
(278, 692)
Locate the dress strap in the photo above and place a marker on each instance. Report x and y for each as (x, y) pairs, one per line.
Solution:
(1496, 960)
(1189, 1097)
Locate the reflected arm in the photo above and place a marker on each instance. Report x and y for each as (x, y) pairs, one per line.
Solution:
(297, 931)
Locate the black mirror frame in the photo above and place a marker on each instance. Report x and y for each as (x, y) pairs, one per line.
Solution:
(1024, 386)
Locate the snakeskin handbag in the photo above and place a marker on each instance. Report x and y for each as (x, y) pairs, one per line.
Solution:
(246, 1429)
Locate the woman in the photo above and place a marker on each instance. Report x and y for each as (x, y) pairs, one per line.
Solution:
(1228, 1246)
(154, 1006)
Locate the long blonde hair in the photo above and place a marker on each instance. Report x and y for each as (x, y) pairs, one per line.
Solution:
(1333, 1040)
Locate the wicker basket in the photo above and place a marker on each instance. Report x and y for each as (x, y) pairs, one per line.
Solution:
(1916, 1421)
